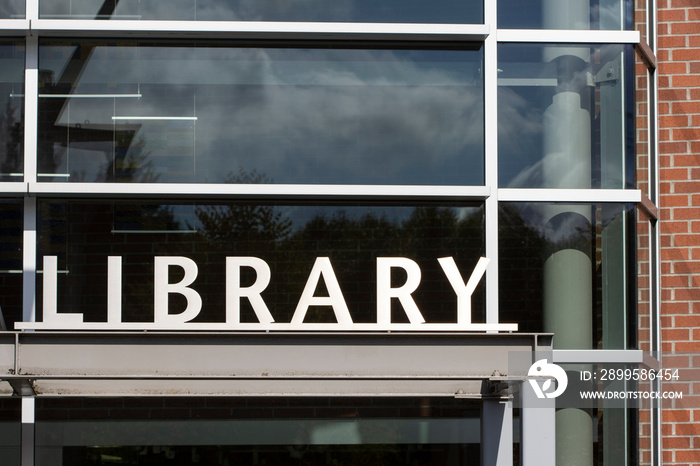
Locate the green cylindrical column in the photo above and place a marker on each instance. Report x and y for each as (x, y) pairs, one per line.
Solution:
(567, 299)
(574, 437)
(568, 269)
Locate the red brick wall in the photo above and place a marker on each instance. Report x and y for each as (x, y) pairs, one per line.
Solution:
(679, 156)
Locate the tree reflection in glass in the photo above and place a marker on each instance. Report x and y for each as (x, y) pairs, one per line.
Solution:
(288, 237)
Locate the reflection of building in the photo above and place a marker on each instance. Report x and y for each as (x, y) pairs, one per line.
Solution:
(203, 159)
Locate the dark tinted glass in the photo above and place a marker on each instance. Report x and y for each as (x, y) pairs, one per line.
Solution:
(11, 429)
(569, 270)
(11, 110)
(257, 431)
(203, 112)
(12, 9)
(382, 11)
(11, 262)
(565, 14)
(288, 237)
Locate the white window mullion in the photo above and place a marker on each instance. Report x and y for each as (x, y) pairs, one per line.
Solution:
(32, 9)
(31, 87)
(29, 261)
(491, 161)
(28, 432)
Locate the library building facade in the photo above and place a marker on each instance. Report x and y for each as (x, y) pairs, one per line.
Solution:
(219, 246)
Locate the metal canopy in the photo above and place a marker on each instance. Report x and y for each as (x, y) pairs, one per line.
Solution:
(261, 364)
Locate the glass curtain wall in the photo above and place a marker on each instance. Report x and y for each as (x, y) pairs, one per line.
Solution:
(217, 112)
(474, 141)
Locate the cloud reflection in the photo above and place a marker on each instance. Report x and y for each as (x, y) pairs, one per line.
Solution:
(310, 116)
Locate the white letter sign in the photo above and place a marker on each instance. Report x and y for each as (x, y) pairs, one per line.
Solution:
(163, 288)
(322, 268)
(238, 287)
(464, 292)
(51, 315)
(234, 290)
(385, 292)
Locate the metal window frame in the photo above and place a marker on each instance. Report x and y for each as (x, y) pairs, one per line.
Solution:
(256, 191)
(14, 27)
(29, 190)
(32, 27)
(568, 37)
(259, 30)
(321, 32)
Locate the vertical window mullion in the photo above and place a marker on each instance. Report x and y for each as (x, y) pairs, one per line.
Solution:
(491, 160)
(32, 9)
(31, 88)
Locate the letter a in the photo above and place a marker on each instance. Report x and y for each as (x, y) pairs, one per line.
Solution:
(335, 299)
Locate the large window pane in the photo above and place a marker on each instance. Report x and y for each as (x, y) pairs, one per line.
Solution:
(565, 116)
(11, 262)
(565, 14)
(11, 110)
(569, 270)
(288, 237)
(157, 112)
(258, 431)
(382, 11)
(12, 9)
(10, 430)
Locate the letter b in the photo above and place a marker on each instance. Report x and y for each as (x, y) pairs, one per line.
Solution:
(162, 289)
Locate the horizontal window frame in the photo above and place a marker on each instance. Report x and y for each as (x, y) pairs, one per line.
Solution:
(428, 32)
(322, 191)
(567, 36)
(15, 27)
(570, 196)
(12, 189)
(246, 191)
